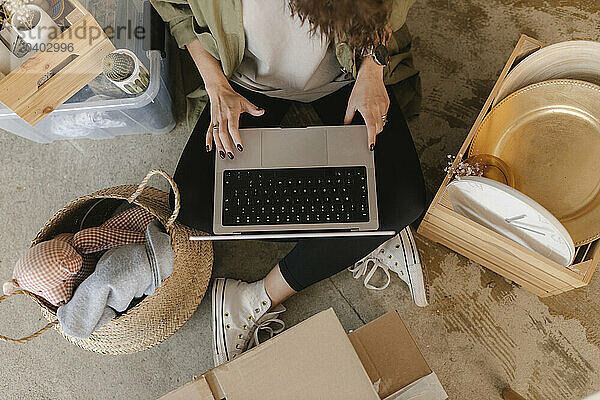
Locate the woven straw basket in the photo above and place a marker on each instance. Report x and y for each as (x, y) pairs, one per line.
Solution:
(156, 317)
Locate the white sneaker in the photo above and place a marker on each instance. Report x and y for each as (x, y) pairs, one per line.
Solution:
(240, 311)
(400, 255)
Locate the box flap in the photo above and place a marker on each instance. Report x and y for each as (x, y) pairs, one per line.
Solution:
(427, 388)
(311, 360)
(197, 389)
(389, 354)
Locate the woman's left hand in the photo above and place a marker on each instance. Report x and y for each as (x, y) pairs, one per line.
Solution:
(370, 98)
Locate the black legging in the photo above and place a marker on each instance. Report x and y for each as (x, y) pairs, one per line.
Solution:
(400, 185)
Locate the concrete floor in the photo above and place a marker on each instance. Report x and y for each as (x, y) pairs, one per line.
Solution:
(480, 334)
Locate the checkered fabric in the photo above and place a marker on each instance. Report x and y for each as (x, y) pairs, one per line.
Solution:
(65, 237)
(127, 227)
(53, 269)
(49, 270)
(89, 260)
(133, 219)
(93, 240)
(88, 267)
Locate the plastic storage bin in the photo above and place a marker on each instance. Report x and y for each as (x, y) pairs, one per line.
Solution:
(100, 110)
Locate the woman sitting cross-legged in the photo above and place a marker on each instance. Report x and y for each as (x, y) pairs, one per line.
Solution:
(256, 58)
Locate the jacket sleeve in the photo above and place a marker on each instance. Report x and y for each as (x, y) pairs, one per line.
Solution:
(399, 12)
(181, 19)
(400, 67)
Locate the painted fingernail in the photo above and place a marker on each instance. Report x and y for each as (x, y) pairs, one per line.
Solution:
(222, 154)
(230, 155)
(240, 147)
(207, 148)
(372, 146)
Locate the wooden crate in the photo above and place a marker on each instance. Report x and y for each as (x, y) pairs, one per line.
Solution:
(532, 271)
(32, 96)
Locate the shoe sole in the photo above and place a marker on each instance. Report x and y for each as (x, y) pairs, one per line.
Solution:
(218, 329)
(418, 290)
(426, 280)
(415, 271)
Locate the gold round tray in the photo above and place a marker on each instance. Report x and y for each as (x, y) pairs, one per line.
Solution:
(575, 59)
(549, 136)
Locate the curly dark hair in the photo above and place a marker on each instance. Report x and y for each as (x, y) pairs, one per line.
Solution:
(360, 23)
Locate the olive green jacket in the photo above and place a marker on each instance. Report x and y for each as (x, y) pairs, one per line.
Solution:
(218, 25)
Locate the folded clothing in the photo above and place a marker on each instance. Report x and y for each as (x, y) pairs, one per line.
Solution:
(122, 275)
(48, 269)
(127, 227)
(55, 268)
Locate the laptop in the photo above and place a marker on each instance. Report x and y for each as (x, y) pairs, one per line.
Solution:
(297, 183)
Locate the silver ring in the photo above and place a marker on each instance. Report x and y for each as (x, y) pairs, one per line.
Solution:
(384, 119)
(215, 128)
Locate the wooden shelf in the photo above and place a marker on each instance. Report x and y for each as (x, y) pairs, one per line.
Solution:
(49, 78)
(532, 271)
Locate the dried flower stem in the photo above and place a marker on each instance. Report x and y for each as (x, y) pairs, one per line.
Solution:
(463, 168)
(19, 9)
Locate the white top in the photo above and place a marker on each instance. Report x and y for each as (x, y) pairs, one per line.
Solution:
(283, 59)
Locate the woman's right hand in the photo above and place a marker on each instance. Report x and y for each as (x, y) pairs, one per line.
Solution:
(226, 106)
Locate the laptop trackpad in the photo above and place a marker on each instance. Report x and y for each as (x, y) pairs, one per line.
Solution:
(294, 148)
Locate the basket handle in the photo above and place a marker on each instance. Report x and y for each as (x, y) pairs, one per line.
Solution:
(143, 185)
(30, 337)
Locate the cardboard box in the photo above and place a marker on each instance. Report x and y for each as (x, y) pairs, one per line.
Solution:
(394, 362)
(198, 389)
(317, 360)
(312, 360)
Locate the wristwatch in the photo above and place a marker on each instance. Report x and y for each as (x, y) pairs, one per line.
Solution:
(380, 54)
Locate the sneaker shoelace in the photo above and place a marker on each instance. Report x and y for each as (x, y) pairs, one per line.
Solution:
(251, 338)
(360, 269)
(266, 327)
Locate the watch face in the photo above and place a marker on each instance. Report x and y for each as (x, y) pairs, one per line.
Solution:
(381, 54)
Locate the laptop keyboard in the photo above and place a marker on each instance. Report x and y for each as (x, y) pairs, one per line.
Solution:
(295, 196)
